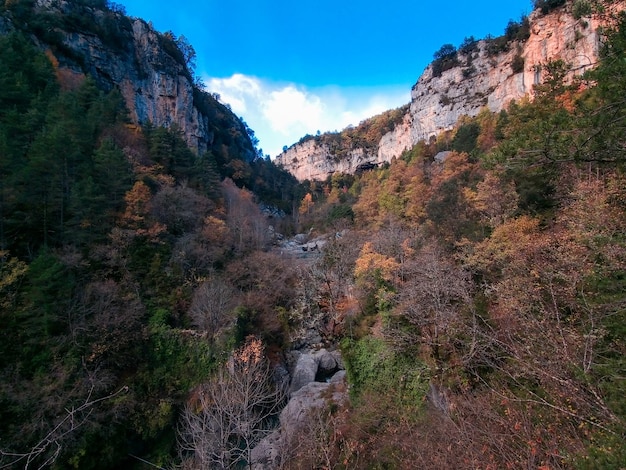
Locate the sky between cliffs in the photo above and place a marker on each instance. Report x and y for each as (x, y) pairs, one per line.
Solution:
(293, 67)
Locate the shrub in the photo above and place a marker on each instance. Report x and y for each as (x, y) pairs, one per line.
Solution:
(469, 71)
(582, 8)
(445, 59)
(372, 366)
(517, 65)
(341, 211)
(547, 6)
(518, 31)
(469, 45)
(465, 138)
(497, 45)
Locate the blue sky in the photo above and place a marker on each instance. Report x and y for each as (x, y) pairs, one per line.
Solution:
(289, 68)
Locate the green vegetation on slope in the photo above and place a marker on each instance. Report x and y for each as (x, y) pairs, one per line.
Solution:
(478, 299)
(110, 237)
(489, 283)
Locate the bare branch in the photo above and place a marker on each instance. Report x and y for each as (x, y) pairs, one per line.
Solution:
(51, 442)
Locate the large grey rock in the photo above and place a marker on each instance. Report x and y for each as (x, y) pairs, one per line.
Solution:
(338, 378)
(314, 365)
(267, 452)
(304, 372)
(326, 363)
(338, 359)
(314, 395)
(306, 394)
(301, 238)
(306, 398)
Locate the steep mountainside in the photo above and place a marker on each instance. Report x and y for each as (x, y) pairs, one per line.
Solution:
(152, 70)
(150, 315)
(112, 233)
(373, 141)
(485, 73)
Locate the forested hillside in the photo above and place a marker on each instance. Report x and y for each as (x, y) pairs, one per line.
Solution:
(485, 297)
(112, 236)
(474, 286)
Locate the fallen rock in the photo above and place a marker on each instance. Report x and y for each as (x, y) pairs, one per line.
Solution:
(267, 453)
(304, 372)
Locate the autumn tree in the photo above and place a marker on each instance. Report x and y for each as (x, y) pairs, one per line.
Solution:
(494, 198)
(375, 274)
(244, 218)
(180, 209)
(326, 288)
(265, 285)
(211, 306)
(230, 414)
(306, 204)
(433, 297)
(543, 325)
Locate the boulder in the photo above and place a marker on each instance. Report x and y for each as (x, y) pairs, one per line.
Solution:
(303, 373)
(314, 395)
(313, 366)
(326, 364)
(300, 238)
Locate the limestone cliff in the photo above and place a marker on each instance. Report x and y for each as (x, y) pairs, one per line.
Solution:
(437, 102)
(480, 79)
(372, 142)
(148, 67)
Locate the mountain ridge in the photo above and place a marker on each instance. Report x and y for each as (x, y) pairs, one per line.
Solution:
(149, 68)
(478, 79)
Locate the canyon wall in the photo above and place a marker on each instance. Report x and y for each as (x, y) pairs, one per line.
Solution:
(148, 67)
(480, 80)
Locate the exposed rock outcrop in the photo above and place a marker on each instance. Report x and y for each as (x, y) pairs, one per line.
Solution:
(318, 380)
(313, 160)
(437, 102)
(148, 68)
(479, 81)
(314, 367)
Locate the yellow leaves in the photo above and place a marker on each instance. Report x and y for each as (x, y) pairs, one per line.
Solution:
(400, 191)
(595, 209)
(306, 205)
(214, 230)
(251, 353)
(153, 231)
(520, 231)
(494, 199)
(11, 271)
(366, 208)
(369, 262)
(407, 250)
(511, 244)
(454, 165)
(488, 123)
(137, 202)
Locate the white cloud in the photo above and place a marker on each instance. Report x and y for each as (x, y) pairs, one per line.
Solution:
(290, 110)
(280, 114)
(237, 91)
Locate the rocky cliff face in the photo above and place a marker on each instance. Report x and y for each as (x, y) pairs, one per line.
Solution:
(482, 80)
(479, 80)
(147, 67)
(313, 159)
